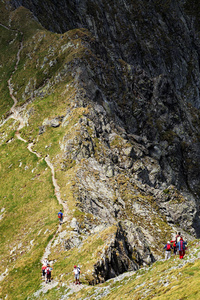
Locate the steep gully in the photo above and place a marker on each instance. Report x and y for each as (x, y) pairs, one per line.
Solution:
(15, 114)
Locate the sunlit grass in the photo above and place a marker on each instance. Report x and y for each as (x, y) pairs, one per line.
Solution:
(30, 210)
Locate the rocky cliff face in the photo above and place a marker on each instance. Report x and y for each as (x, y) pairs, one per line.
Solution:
(156, 35)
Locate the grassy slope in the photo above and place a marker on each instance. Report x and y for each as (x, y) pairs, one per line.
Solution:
(8, 51)
(164, 280)
(27, 201)
(29, 220)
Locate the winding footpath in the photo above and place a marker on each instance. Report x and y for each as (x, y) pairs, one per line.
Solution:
(57, 189)
(15, 114)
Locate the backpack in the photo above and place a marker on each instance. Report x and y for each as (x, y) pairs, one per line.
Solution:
(48, 271)
(168, 247)
(181, 247)
(59, 215)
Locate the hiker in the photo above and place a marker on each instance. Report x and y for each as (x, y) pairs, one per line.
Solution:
(79, 271)
(168, 250)
(178, 236)
(48, 273)
(77, 274)
(181, 245)
(43, 270)
(45, 262)
(60, 216)
(174, 246)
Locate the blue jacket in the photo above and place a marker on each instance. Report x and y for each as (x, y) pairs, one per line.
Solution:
(60, 214)
(181, 245)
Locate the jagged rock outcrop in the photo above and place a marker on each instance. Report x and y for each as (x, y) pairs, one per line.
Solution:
(123, 254)
(145, 138)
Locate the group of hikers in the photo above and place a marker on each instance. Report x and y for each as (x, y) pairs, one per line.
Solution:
(47, 269)
(178, 246)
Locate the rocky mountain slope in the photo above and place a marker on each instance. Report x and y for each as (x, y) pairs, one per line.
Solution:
(163, 280)
(98, 126)
(159, 36)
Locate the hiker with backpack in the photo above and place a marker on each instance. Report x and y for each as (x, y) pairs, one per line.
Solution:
(168, 250)
(60, 216)
(48, 273)
(181, 245)
(77, 274)
(43, 270)
(174, 246)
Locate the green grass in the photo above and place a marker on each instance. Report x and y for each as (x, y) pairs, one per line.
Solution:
(84, 255)
(182, 283)
(163, 280)
(27, 195)
(23, 20)
(9, 43)
(4, 14)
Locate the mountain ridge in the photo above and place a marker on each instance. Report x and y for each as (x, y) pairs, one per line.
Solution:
(124, 148)
(145, 33)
